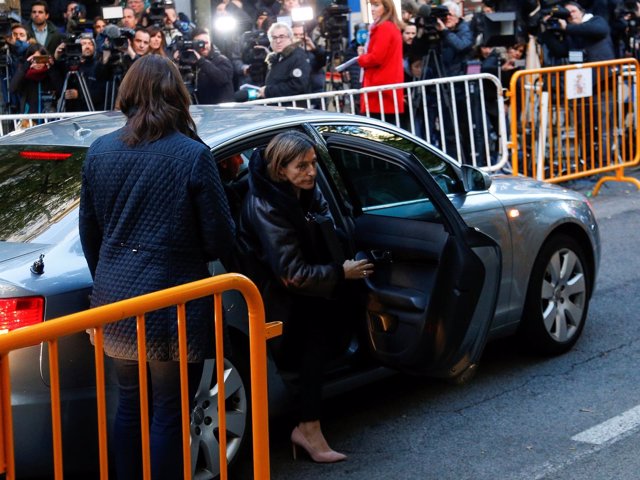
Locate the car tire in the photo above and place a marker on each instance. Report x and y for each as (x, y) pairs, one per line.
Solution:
(205, 459)
(557, 301)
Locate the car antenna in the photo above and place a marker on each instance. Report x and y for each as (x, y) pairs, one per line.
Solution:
(38, 265)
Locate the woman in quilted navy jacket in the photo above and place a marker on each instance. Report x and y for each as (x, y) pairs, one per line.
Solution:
(153, 213)
(284, 254)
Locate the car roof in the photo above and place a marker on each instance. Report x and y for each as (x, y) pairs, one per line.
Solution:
(215, 124)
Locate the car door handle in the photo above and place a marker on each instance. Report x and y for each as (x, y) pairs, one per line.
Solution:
(381, 256)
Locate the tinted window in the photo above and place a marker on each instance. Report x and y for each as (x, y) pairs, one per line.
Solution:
(442, 171)
(380, 186)
(37, 191)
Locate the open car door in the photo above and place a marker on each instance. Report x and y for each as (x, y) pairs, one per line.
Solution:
(432, 296)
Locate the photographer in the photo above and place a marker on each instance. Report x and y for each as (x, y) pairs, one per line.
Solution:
(457, 41)
(316, 56)
(36, 82)
(625, 29)
(85, 65)
(213, 71)
(580, 31)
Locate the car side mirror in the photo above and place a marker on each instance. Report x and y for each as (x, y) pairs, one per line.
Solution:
(475, 179)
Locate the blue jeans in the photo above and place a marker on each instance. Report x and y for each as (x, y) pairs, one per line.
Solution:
(164, 419)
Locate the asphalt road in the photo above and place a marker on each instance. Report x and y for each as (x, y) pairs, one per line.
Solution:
(522, 417)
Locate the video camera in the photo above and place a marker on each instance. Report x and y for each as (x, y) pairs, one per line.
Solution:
(254, 53)
(334, 24)
(427, 19)
(72, 51)
(185, 46)
(77, 23)
(157, 12)
(5, 28)
(556, 13)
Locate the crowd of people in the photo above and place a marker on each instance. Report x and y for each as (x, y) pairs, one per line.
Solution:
(67, 56)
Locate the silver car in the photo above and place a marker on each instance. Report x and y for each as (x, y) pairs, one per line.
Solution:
(461, 258)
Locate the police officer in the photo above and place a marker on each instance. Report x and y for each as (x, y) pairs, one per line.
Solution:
(289, 69)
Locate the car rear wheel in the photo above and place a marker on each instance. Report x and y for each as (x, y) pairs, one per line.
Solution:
(557, 300)
(205, 459)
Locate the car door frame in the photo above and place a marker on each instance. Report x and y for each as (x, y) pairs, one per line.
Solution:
(465, 351)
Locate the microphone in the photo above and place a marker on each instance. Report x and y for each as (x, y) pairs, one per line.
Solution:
(112, 31)
(424, 11)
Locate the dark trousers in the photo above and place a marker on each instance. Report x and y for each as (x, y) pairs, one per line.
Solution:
(164, 419)
(305, 348)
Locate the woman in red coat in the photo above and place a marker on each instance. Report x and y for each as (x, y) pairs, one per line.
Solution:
(382, 60)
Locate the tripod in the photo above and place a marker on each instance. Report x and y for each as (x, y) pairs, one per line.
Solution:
(84, 90)
(111, 91)
(432, 68)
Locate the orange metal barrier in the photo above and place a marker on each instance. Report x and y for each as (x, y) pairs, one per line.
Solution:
(95, 318)
(577, 120)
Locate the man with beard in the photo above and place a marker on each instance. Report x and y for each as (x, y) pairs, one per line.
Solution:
(85, 67)
(44, 31)
(214, 71)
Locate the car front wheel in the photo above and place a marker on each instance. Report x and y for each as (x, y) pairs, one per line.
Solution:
(557, 299)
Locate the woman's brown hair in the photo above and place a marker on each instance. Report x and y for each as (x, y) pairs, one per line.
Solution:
(390, 13)
(283, 149)
(153, 31)
(155, 101)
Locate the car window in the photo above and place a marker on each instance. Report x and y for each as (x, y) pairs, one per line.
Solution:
(381, 187)
(38, 188)
(443, 172)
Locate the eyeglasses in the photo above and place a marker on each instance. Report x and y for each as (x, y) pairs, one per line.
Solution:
(276, 38)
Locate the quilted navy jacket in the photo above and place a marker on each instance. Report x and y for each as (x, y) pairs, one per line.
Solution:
(151, 217)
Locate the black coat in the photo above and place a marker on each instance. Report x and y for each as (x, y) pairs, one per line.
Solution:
(151, 217)
(289, 73)
(279, 249)
(592, 36)
(215, 79)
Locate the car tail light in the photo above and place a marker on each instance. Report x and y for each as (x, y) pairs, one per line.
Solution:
(20, 312)
(29, 155)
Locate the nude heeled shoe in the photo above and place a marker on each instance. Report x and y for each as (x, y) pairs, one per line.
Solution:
(299, 440)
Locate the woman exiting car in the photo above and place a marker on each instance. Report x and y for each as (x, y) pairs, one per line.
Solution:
(153, 213)
(284, 252)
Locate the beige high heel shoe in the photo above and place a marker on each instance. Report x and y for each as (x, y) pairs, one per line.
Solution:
(299, 440)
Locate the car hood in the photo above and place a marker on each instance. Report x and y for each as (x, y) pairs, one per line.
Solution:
(520, 190)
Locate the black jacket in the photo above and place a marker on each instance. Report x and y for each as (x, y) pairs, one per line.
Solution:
(278, 248)
(289, 73)
(215, 79)
(591, 36)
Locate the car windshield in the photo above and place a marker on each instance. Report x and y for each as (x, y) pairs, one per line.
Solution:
(38, 187)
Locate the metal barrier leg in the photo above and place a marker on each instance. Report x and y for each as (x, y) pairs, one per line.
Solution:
(618, 178)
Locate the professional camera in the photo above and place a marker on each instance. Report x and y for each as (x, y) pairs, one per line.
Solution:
(72, 51)
(556, 12)
(5, 31)
(427, 21)
(334, 25)
(184, 46)
(254, 53)
(157, 12)
(77, 23)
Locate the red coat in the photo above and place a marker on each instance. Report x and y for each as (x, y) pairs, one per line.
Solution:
(383, 66)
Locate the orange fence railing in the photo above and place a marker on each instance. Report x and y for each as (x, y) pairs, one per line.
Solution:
(577, 120)
(51, 331)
